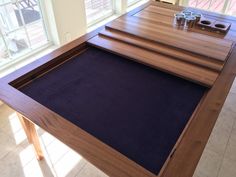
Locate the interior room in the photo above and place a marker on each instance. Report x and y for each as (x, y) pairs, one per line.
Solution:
(117, 88)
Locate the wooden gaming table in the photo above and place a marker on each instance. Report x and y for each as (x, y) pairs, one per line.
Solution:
(136, 97)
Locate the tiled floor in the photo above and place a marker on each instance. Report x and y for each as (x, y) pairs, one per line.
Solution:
(219, 156)
(17, 156)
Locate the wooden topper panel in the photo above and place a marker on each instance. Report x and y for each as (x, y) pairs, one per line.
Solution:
(186, 35)
(161, 10)
(196, 43)
(168, 12)
(165, 50)
(186, 70)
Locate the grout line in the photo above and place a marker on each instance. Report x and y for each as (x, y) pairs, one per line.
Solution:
(49, 159)
(218, 170)
(81, 169)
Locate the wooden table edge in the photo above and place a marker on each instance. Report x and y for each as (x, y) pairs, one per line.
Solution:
(175, 166)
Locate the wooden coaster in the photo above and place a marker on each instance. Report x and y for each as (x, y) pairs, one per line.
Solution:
(213, 25)
(205, 23)
(220, 26)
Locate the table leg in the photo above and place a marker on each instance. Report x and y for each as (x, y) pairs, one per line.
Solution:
(32, 135)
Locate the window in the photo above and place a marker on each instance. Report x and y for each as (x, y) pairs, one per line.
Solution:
(231, 8)
(97, 10)
(131, 2)
(21, 28)
(220, 6)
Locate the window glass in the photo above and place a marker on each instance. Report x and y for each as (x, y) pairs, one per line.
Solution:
(3, 51)
(212, 5)
(21, 28)
(231, 9)
(9, 18)
(36, 34)
(17, 42)
(97, 10)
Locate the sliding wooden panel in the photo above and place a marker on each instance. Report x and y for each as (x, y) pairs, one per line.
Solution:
(206, 45)
(161, 10)
(182, 69)
(154, 17)
(185, 35)
(163, 49)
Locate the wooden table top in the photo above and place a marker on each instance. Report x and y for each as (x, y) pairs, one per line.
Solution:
(141, 35)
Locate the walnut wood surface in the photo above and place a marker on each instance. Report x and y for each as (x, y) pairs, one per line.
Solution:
(196, 43)
(169, 10)
(161, 10)
(182, 161)
(186, 35)
(162, 49)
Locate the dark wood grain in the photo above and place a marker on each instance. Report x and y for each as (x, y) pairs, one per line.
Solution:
(163, 49)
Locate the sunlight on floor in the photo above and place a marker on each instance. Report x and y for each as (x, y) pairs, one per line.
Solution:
(16, 128)
(29, 163)
(14, 122)
(59, 159)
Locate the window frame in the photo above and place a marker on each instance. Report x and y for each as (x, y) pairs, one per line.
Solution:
(132, 3)
(31, 49)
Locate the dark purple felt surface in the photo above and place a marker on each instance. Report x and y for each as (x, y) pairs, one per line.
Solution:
(137, 110)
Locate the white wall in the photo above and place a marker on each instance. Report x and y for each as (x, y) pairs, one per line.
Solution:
(66, 19)
(120, 6)
(183, 2)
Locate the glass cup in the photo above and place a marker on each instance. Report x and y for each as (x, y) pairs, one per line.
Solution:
(187, 13)
(198, 16)
(189, 22)
(179, 20)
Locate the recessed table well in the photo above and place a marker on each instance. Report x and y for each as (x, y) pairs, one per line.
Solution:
(136, 97)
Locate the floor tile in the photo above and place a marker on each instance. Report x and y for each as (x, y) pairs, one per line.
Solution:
(69, 165)
(7, 144)
(11, 165)
(56, 150)
(5, 112)
(230, 103)
(90, 171)
(233, 88)
(221, 132)
(35, 168)
(209, 164)
(230, 152)
(12, 124)
(228, 168)
(13, 128)
(233, 134)
(46, 138)
(46, 168)
(26, 154)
